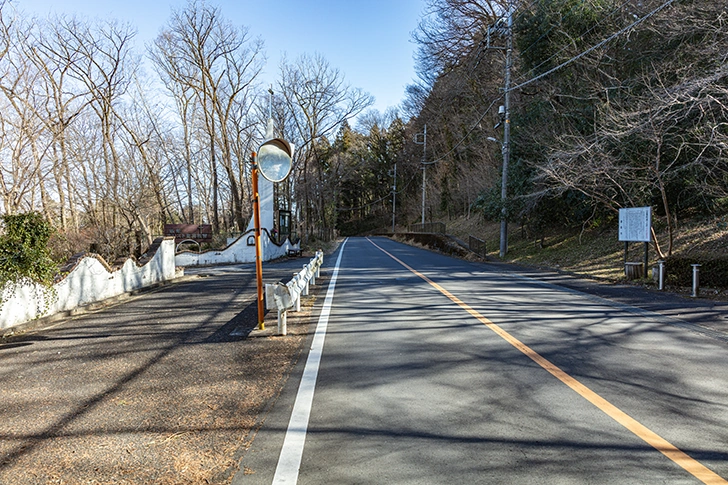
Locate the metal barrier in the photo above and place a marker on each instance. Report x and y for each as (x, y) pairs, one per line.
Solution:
(431, 227)
(477, 246)
(284, 297)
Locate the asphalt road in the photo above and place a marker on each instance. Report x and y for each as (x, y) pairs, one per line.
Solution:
(437, 370)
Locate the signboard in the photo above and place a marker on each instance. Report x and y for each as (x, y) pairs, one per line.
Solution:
(197, 232)
(635, 224)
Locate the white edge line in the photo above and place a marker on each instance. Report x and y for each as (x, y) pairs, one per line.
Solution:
(289, 461)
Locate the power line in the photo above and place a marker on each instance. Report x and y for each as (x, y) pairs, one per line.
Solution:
(377, 201)
(465, 137)
(475, 125)
(593, 48)
(565, 47)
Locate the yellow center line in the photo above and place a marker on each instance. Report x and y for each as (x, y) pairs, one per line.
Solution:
(692, 466)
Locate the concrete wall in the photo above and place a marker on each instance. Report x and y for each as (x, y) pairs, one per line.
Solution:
(240, 251)
(89, 281)
(267, 214)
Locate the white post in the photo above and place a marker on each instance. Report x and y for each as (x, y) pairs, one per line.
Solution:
(661, 275)
(696, 280)
(282, 322)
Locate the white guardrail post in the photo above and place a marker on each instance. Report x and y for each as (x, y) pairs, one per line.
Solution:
(284, 297)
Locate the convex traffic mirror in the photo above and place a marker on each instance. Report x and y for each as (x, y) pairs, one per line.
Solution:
(275, 159)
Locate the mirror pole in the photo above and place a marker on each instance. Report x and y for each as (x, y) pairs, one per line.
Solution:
(258, 252)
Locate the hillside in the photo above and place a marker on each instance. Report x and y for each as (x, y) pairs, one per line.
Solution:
(597, 253)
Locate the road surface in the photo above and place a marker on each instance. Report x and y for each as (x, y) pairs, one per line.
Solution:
(427, 370)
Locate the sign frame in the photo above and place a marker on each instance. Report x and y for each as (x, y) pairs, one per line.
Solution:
(635, 224)
(200, 233)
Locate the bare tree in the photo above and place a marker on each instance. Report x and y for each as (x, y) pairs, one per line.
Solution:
(661, 141)
(103, 62)
(202, 52)
(22, 141)
(450, 30)
(319, 101)
(62, 101)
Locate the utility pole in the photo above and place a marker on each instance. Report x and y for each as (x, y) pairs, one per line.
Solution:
(394, 196)
(506, 133)
(424, 166)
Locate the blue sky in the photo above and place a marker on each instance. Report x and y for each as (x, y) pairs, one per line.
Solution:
(369, 41)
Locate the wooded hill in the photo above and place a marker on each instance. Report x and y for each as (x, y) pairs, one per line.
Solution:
(613, 104)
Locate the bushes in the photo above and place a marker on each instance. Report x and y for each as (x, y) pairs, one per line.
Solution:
(24, 252)
(713, 270)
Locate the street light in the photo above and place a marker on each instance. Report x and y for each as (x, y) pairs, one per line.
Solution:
(506, 132)
(505, 121)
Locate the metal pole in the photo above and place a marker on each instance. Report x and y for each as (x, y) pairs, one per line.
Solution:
(270, 103)
(506, 134)
(258, 252)
(696, 280)
(394, 197)
(661, 276)
(423, 197)
(424, 155)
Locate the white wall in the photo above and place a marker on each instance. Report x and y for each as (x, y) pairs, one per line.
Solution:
(88, 282)
(267, 215)
(238, 252)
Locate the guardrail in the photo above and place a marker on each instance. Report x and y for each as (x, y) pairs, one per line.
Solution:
(431, 227)
(285, 297)
(478, 247)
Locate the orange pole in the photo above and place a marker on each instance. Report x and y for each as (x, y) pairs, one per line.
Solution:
(258, 252)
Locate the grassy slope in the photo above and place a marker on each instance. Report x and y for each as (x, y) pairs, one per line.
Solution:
(592, 253)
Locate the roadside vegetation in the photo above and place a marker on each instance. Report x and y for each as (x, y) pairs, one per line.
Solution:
(25, 255)
(596, 253)
(613, 105)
